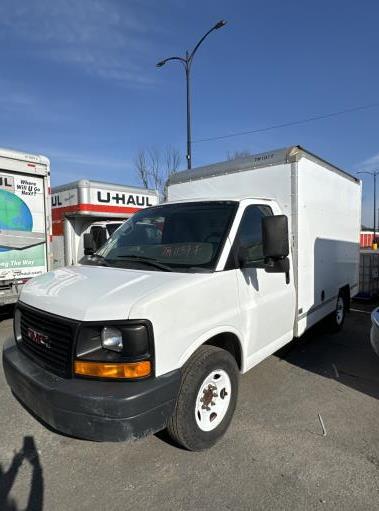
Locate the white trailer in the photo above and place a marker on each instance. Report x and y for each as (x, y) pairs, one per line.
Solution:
(91, 207)
(25, 220)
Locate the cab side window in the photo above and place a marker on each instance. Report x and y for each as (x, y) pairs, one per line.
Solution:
(99, 235)
(250, 234)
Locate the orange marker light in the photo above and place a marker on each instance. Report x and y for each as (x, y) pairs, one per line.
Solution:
(111, 370)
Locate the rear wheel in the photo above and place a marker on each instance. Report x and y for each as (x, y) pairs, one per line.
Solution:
(337, 318)
(206, 400)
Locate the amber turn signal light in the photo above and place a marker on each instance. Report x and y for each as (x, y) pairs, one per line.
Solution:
(113, 370)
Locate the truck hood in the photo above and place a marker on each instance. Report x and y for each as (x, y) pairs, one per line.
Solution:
(96, 293)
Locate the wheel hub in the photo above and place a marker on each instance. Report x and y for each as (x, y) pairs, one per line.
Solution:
(208, 395)
(213, 400)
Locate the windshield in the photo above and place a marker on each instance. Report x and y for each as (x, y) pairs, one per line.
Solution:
(175, 237)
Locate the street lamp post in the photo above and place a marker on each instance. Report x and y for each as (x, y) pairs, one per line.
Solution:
(187, 63)
(373, 173)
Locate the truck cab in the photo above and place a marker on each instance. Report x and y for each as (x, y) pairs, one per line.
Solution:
(155, 329)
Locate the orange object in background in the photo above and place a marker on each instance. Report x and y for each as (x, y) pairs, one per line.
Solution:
(366, 239)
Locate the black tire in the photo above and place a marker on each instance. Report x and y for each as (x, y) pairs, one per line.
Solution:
(336, 320)
(182, 426)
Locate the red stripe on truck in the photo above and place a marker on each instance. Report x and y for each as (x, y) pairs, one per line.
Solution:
(108, 209)
(60, 211)
(58, 227)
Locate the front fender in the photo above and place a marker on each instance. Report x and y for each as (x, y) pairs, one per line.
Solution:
(209, 335)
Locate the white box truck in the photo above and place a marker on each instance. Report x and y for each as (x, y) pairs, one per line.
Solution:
(25, 220)
(95, 208)
(185, 297)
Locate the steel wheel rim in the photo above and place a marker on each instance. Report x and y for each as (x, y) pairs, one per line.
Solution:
(339, 310)
(213, 399)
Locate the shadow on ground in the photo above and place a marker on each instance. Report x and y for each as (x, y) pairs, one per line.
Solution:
(28, 453)
(346, 356)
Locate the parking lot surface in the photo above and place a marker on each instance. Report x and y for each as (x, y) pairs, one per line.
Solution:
(274, 456)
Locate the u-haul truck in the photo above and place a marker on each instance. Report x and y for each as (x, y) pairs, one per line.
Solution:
(91, 207)
(25, 220)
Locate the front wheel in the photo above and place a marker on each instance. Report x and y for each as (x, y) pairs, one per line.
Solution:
(207, 399)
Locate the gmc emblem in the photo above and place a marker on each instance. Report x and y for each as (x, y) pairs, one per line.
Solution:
(38, 338)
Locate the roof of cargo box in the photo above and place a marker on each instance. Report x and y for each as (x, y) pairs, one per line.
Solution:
(270, 158)
(13, 154)
(87, 183)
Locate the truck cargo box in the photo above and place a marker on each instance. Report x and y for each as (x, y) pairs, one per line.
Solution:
(25, 220)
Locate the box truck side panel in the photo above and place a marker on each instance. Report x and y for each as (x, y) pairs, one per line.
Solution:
(272, 182)
(328, 239)
(23, 228)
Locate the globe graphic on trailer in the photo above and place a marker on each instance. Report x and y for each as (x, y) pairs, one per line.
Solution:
(14, 214)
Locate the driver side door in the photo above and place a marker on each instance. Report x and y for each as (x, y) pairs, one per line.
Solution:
(267, 302)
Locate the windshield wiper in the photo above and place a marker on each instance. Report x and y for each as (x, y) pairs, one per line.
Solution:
(199, 269)
(94, 259)
(146, 260)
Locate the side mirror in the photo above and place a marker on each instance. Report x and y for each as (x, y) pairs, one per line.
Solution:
(275, 237)
(276, 244)
(89, 244)
(102, 238)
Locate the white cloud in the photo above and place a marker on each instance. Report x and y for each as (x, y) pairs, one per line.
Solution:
(86, 159)
(15, 101)
(370, 163)
(102, 37)
(70, 166)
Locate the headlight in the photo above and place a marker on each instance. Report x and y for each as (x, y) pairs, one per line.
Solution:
(119, 344)
(111, 338)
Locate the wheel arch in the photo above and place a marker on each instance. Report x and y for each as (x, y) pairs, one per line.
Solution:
(226, 338)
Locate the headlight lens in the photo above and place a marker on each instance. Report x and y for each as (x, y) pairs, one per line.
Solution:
(111, 339)
(124, 348)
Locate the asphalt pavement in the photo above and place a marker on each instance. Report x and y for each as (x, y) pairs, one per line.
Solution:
(275, 456)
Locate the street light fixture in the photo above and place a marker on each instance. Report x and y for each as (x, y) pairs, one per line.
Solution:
(373, 173)
(187, 63)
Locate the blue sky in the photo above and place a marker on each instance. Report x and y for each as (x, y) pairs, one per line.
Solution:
(78, 81)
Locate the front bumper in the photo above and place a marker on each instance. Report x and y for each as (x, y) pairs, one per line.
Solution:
(90, 409)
